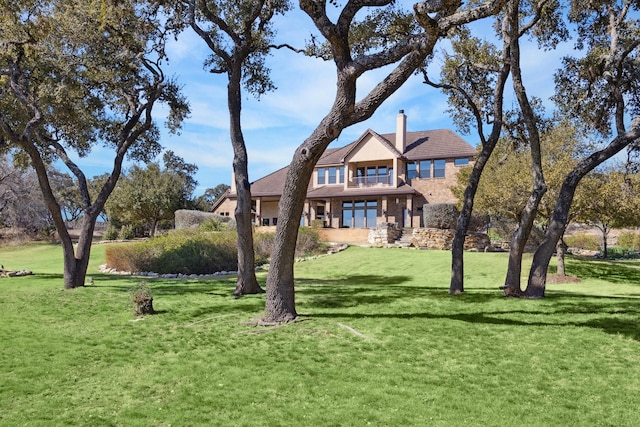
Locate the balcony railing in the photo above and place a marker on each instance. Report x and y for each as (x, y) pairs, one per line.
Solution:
(370, 181)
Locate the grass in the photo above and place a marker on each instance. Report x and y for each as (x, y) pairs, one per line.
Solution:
(383, 344)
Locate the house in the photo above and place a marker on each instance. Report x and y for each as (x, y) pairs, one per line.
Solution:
(377, 178)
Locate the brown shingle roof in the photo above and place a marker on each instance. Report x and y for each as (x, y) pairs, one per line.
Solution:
(434, 144)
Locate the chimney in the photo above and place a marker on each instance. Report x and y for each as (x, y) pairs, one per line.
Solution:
(401, 131)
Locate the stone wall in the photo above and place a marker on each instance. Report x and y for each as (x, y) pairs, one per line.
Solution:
(384, 234)
(436, 238)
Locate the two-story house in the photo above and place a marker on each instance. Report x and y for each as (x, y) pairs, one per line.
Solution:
(377, 178)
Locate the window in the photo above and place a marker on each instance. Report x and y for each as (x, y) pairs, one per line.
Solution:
(411, 170)
(341, 175)
(274, 221)
(462, 161)
(359, 213)
(425, 168)
(382, 175)
(333, 175)
(321, 177)
(438, 168)
(265, 221)
(371, 175)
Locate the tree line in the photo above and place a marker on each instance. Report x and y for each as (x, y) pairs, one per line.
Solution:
(76, 75)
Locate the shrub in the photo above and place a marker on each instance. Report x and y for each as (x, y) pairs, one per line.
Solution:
(212, 224)
(629, 241)
(189, 218)
(191, 251)
(583, 241)
(186, 252)
(111, 233)
(127, 232)
(440, 215)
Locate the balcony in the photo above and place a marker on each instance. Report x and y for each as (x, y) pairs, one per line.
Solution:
(370, 181)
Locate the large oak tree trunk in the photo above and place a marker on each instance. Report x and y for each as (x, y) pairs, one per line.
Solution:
(280, 304)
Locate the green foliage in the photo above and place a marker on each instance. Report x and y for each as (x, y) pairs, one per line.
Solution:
(583, 241)
(185, 252)
(629, 241)
(185, 218)
(127, 232)
(111, 233)
(308, 243)
(418, 347)
(146, 196)
(213, 224)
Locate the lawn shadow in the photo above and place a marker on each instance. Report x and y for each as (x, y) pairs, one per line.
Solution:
(611, 271)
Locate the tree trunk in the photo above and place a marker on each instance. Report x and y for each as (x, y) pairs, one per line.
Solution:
(247, 282)
(542, 256)
(280, 304)
(561, 249)
(522, 233)
(456, 286)
(605, 235)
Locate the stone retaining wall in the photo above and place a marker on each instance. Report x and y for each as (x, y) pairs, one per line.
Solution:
(436, 238)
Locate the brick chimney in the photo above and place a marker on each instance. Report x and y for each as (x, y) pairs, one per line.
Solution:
(401, 132)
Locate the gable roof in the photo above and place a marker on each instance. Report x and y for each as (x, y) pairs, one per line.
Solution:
(384, 141)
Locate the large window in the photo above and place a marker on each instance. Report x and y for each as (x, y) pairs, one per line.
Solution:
(411, 170)
(321, 176)
(424, 168)
(462, 161)
(359, 214)
(438, 168)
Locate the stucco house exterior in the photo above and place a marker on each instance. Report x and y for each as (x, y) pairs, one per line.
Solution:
(377, 178)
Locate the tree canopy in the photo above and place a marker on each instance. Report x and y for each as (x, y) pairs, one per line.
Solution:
(76, 75)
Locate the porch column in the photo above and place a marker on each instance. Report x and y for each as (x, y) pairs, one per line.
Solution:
(328, 213)
(410, 210)
(384, 209)
(259, 211)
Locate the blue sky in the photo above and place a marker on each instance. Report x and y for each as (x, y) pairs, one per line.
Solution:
(280, 121)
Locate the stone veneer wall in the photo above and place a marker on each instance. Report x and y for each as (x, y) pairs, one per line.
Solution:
(436, 238)
(383, 234)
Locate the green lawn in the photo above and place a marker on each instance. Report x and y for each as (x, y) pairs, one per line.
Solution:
(382, 344)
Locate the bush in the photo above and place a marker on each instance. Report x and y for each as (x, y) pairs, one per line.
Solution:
(583, 241)
(190, 219)
(213, 224)
(111, 233)
(629, 241)
(191, 251)
(127, 232)
(440, 215)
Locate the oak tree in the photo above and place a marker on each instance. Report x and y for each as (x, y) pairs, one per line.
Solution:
(402, 48)
(76, 76)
